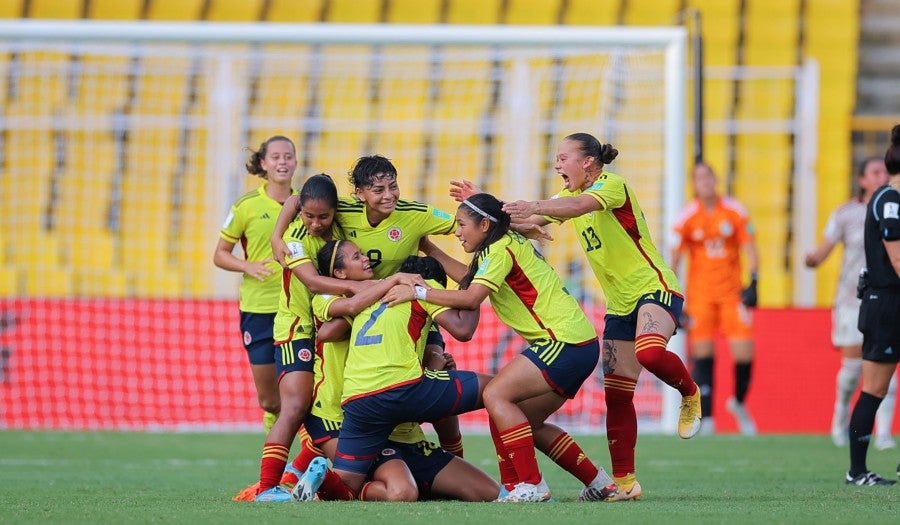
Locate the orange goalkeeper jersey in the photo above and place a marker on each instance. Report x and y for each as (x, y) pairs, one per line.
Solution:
(712, 240)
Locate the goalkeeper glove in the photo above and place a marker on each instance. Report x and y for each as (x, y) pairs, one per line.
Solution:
(748, 296)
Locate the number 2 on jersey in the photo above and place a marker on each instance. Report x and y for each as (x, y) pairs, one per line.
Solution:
(363, 338)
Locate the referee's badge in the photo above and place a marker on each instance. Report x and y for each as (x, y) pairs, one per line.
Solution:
(394, 234)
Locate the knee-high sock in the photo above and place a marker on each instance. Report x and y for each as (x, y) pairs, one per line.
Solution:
(652, 354)
(703, 376)
(519, 444)
(884, 418)
(861, 422)
(566, 453)
(274, 458)
(742, 380)
(621, 423)
(508, 476)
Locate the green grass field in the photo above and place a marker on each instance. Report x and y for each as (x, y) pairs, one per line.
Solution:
(57, 477)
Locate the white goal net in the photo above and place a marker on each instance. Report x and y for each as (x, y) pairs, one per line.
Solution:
(123, 146)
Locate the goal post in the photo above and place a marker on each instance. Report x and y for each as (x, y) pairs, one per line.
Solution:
(137, 132)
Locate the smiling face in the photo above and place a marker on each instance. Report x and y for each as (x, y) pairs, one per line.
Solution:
(280, 161)
(469, 230)
(380, 197)
(317, 216)
(356, 266)
(572, 165)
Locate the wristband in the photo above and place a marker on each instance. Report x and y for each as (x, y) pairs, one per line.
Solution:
(421, 292)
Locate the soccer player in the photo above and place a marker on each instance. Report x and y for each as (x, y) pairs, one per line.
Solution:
(644, 299)
(293, 328)
(845, 225)
(386, 385)
(712, 231)
(529, 297)
(426, 470)
(878, 314)
(250, 223)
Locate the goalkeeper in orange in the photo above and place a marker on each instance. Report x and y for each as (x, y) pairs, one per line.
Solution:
(712, 231)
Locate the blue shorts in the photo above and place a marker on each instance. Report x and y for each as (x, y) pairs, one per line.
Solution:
(564, 366)
(369, 420)
(295, 356)
(435, 337)
(259, 341)
(424, 459)
(624, 327)
(321, 430)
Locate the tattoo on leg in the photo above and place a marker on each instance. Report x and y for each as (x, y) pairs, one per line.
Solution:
(609, 357)
(651, 326)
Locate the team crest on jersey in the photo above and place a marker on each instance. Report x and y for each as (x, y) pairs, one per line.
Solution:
(388, 452)
(726, 229)
(304, 355)
(697, 234)
(247, 338)
(394, 234)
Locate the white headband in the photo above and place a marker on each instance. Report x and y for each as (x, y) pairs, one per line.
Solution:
(479, 211)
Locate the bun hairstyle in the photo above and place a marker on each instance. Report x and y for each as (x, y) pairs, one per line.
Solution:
(254, 164)
(892, 156)
(428, 267)
(591, 147)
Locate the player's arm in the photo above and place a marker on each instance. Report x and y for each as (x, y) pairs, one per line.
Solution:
(749, 295)
(818, 256)
(528, 226)
(333, 330)
(561, 207)
(289, 210)
(225, 259)
(455, 269)
(370, 294)
(461, 324)
(317, 283)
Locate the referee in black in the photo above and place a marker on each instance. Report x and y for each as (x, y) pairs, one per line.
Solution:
(879, 315)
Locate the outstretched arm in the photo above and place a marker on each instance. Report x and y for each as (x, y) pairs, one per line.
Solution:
(818, 256)
(562, 207)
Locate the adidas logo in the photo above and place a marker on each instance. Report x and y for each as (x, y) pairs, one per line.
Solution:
(265, 216)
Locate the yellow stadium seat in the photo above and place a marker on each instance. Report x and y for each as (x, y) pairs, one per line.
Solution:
(161, 283)
(592, 12)
(771, 32)
(56, 9)
(40, 87)
(414, 12)
(532, 12)
(651, 12)
(101, 86)
(12, 9)
(282, 88)
(115, 9)
(85, 187)
(474, 11)
(175, 10)
(353, 11)
(9, 281)
(25, 187)
(234, 10)
(293, 11)
(45, 281)
(90, 282)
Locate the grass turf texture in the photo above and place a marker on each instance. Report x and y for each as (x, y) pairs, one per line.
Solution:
(64, 477)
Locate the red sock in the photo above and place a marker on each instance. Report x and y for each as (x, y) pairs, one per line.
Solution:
(333, 488)
(621, 422)
(308, 451)
(508, 477)
(652, 354)
(274, 458)
(454, 447)
(566, 453)
(519, 444)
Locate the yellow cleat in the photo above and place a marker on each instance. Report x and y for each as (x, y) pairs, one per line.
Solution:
(269, 419)
(629, 489)
(689, 420)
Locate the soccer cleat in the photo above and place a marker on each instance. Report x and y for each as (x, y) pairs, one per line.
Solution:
(528, 492)
(744, 421)
(311, 480)
(600, 489)
(867, 479)
(276, 494)
(689, 419)
(629, 489)
(840, 427)
(290, 477)
(884, 442)
(248, 494)
(269, 419)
